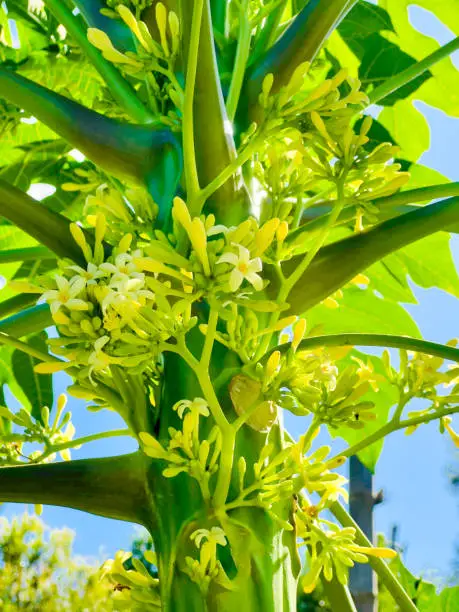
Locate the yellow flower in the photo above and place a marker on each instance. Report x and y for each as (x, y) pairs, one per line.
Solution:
(65, 295)
(244, 268)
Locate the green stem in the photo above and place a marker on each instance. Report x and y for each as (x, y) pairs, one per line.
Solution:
(395, 425)
(240, 62)
(27, 348)
(27, 321)
(384, 340)
(27, 254)
(189, 151)
(225, 468)
(411, 73)
(338, 263)
(46, 226)
(304, 265)
(120, 89)
(225, 174)
(338, 595)
(56, 448)
(268, 32)
(386, 205)
(15, 304)
(394, 587)
(209, 339)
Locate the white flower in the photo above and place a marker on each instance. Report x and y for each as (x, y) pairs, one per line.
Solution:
(196, 407)
(90, 275)
(244, 268)
(214, 536)
(65, 295)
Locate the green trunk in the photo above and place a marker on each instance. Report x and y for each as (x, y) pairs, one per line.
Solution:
(261, 558)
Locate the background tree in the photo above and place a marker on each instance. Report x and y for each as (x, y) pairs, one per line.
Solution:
(229, 183)
(39, 570)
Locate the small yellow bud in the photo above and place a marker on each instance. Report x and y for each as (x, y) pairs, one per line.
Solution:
(267, 85)
(125, 243)
(360, 279)
(180, 213)
(161, 20)
(133, 25)
(272, 364)
(101, 41)
(282, 231)
(265, 236)
(330, 303)
(80, 239)
(298, 333)
(50, 367)
(198, 237)
(174, 27)
(319, 125)
(38, 509)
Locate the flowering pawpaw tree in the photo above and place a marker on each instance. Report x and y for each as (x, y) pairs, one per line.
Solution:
(223, 223)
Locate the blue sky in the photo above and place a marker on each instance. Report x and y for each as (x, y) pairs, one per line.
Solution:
(412, 471)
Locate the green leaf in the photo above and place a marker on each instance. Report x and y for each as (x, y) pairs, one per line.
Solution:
(430, 264)
(38, 388)
(383, 59)
(383, 399)
(361, 310)
(408, 128)
(362, 21)
(442, 91)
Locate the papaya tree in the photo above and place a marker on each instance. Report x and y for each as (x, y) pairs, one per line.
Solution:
(224, 226)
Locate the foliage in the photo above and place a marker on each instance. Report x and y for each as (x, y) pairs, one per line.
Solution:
(39, 570)
(203, 280)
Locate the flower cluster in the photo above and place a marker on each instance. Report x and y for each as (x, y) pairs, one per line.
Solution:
(185, 451)
(313, 143)
(224, 260)
(332, 550)
(207, 568)
(114, 311)
(134, 589)
(53, 435)
(153, 62)
(311, 383)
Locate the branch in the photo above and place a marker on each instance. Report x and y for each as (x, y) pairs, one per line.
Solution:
(47, 227)
(119, 87)
(385, 340)
(300, 43)
(134, 152)
(339, 262)
(26, 254)
(394, 587)
(388, 207)
(16, 303)
(214, 145)
(27, 321)
(394, 425)
(411, 73)
(112, 487)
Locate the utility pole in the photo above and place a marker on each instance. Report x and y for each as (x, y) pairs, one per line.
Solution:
(362, 581)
